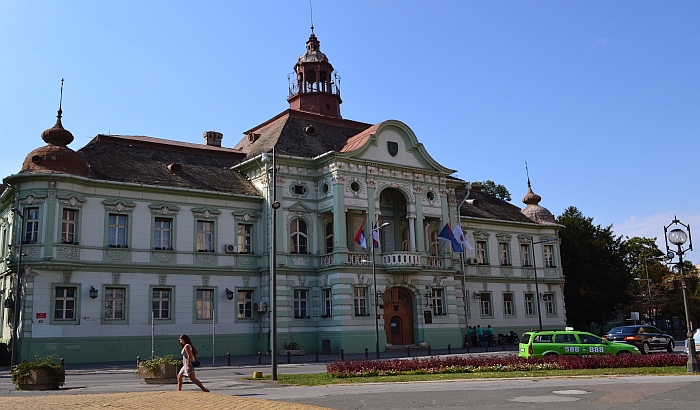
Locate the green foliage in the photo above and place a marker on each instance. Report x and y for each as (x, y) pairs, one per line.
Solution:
(597, 273)
(290, 346)
(497, 190)
(151, 365)
(57, 372)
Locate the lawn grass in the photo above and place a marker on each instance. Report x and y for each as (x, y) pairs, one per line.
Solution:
(318, 379)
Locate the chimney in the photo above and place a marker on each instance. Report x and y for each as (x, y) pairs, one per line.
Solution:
(213, 138)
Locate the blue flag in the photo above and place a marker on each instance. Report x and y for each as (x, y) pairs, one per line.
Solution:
(446, 235)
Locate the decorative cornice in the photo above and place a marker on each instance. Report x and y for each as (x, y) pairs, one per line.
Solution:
(206, 213)
(118, 205)
(164, 209)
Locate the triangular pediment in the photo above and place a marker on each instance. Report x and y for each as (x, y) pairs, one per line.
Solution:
(299, 207)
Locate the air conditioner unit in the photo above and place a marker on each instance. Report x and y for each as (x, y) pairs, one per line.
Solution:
(472, 261)
(231, 248)
(262, 307)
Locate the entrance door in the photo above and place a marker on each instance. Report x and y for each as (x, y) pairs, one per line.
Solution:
(398, 316)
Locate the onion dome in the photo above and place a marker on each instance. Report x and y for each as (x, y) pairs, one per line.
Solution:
(533, 210)
(313, 52)
(56, 157)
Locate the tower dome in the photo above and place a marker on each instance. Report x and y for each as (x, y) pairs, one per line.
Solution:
(316, 86)
(533, 210)
(56, 157)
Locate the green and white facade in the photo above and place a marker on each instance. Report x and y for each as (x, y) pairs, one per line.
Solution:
(175, 238)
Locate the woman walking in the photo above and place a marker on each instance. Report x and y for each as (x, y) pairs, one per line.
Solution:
(189, 354)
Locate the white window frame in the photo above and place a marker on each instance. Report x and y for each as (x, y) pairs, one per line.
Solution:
(482, 256)
(525, 259)
(549, 305)
(549, 256)
(159, 299)
(245, 238)
(360, 301)
(69, 227)
(508, 305)
(327, 294)
(530, 305)
(504, 253)
(330, 237)
(205, 236)
(298, 237)
(301, 303)
(204, 303)
(31, 225)
(65, 301)
(439, 302)
(112, 300)
(245, 303)
(485, 305)
(117, 230)
(160, 231)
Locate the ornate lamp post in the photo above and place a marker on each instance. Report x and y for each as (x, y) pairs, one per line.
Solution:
(376, 296)
(17, 295)
(534, 268)
(679, 237)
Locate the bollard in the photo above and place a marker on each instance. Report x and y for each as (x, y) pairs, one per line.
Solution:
(429, 351)
(366, 353)
(449, 349)
(342, 354)
(408, 351)
(138, 361)
(259, 358)
(228, 359)
(289, 357)
(63, 363)
(316, 356)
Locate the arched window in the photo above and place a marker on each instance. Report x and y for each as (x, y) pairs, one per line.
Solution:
(329, 237)
(299, 236)
(405, 241)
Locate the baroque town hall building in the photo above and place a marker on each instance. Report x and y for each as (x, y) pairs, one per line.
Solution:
(131, 235)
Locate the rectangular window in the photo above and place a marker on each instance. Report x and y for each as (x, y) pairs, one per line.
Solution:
(163, 233)
(160, 301)
(31, 225)
(549, 304)
(114, 303)
(485, 302)
(504, 253)
(525, 254)
(361, 302)
(439, 302)
(204, 304)
(245, 304)
(529, 304)
(549, 256)
(116, 231)
(327, 303)
(64, 303)
(301, 297)
(205, 236)
(481, 258)
(245, 238)
(68, 221)
(508, 304)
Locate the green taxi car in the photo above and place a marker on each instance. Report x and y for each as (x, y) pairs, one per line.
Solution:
(565, 342)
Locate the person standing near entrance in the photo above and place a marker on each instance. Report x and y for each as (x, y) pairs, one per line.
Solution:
(189, 354)
(489, 336)
(469, 340)
(480, 335)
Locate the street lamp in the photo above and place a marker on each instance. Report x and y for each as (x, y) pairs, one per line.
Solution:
(534, 268)
(275, 205)
(376, 296)
(678, 237)
(18, 293)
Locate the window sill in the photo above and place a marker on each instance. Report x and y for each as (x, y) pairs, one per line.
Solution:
(163, 249)
(118, 246)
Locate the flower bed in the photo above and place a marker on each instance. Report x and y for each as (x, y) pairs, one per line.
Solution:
(454, 364)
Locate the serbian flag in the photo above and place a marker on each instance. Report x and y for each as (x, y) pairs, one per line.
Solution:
(446, 235)
(461, 238)
(375, 234)
(360, 235)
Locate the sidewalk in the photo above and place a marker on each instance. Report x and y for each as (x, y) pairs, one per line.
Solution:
(264, 360)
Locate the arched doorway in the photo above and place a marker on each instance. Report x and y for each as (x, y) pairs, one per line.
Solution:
(398, 316)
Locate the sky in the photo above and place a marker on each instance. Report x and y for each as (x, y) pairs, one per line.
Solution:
(601, 98)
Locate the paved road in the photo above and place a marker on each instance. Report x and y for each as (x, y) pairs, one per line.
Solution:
(119, 388)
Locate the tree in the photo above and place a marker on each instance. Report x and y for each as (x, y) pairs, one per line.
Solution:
(641, 255)
(597, 274)
(497, 190)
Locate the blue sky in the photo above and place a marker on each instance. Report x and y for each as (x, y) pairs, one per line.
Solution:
(602, 98)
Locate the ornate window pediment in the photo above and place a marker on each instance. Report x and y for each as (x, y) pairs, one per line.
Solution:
(503, 237)
(206, 213)
(481, 235)
(119, 205)
(164, 209)
(524, 238)
(33, 198)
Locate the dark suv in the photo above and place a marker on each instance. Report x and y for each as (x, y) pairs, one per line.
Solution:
(645, 337)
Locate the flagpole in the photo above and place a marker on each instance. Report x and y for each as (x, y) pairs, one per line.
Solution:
(468, 186)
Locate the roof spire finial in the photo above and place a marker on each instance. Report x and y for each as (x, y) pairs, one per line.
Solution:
(60, 102)
(527, 172)
(311, 8)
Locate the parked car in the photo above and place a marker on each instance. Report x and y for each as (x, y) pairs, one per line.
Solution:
(645, 337)
(696, 337)
(569, 342)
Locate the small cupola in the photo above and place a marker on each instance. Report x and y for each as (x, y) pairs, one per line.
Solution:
(213, 138)
(314, 86)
